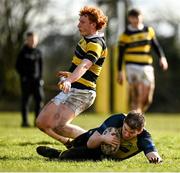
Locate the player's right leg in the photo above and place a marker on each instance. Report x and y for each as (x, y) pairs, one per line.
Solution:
(46, 121)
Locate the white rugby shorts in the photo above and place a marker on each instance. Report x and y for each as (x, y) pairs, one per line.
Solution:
(140, 73)
(77, 99)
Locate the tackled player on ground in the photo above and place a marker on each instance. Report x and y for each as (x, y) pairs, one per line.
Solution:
(132, 139)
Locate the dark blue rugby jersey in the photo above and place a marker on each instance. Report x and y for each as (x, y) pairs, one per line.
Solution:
(128, 148)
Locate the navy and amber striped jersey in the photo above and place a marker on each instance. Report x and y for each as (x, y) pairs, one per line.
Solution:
(94, 49)
(128, 148)
(135, 46)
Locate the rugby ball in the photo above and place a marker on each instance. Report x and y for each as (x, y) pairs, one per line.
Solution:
(107, 148)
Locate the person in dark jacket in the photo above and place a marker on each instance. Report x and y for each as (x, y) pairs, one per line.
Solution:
(29, 67)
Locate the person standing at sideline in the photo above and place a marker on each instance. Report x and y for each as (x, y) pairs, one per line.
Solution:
(29, 67)
(79, 83)
(135, 46)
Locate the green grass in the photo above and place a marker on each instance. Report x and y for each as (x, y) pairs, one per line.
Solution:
(17, 147)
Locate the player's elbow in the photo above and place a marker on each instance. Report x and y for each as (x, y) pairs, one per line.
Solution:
(89, 144)
(92, 142)
(86, 64)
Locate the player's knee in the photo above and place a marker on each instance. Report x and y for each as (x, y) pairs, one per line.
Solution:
(149, 101)
(41, 124)
(60, 128)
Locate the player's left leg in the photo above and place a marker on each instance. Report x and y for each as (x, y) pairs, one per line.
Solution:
(136, 94)
(139, 96)
(81, 154)
(148, 87)
(134, 73)
(75, 154)
(132, 96)
(48, 152)
(148, 97)
(25, 98)
(38, 95)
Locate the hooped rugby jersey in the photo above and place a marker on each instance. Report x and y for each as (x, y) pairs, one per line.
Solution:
(135, 46)
(94, 49)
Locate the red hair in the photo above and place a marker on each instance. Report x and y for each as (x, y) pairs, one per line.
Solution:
(95, 15)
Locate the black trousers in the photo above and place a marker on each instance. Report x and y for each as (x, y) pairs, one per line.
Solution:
(80, 152)
(31, 87)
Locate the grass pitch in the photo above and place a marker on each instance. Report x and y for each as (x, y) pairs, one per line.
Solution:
(18, 147)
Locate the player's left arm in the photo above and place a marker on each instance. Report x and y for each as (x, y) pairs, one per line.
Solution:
(154, 157)
(147, 145)
(162, 61)
(158, 49)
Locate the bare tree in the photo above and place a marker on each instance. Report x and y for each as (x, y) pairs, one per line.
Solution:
(16, 18)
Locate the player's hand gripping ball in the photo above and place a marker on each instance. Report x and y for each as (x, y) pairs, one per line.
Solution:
(61, 80)
(107, 148)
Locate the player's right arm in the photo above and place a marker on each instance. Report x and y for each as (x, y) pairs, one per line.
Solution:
(80, 70)
(121, 77)
(97, 139)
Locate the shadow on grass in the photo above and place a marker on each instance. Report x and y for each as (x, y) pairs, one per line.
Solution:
(32, 143)
(5, 158)
(33, 158)
(36, 143)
